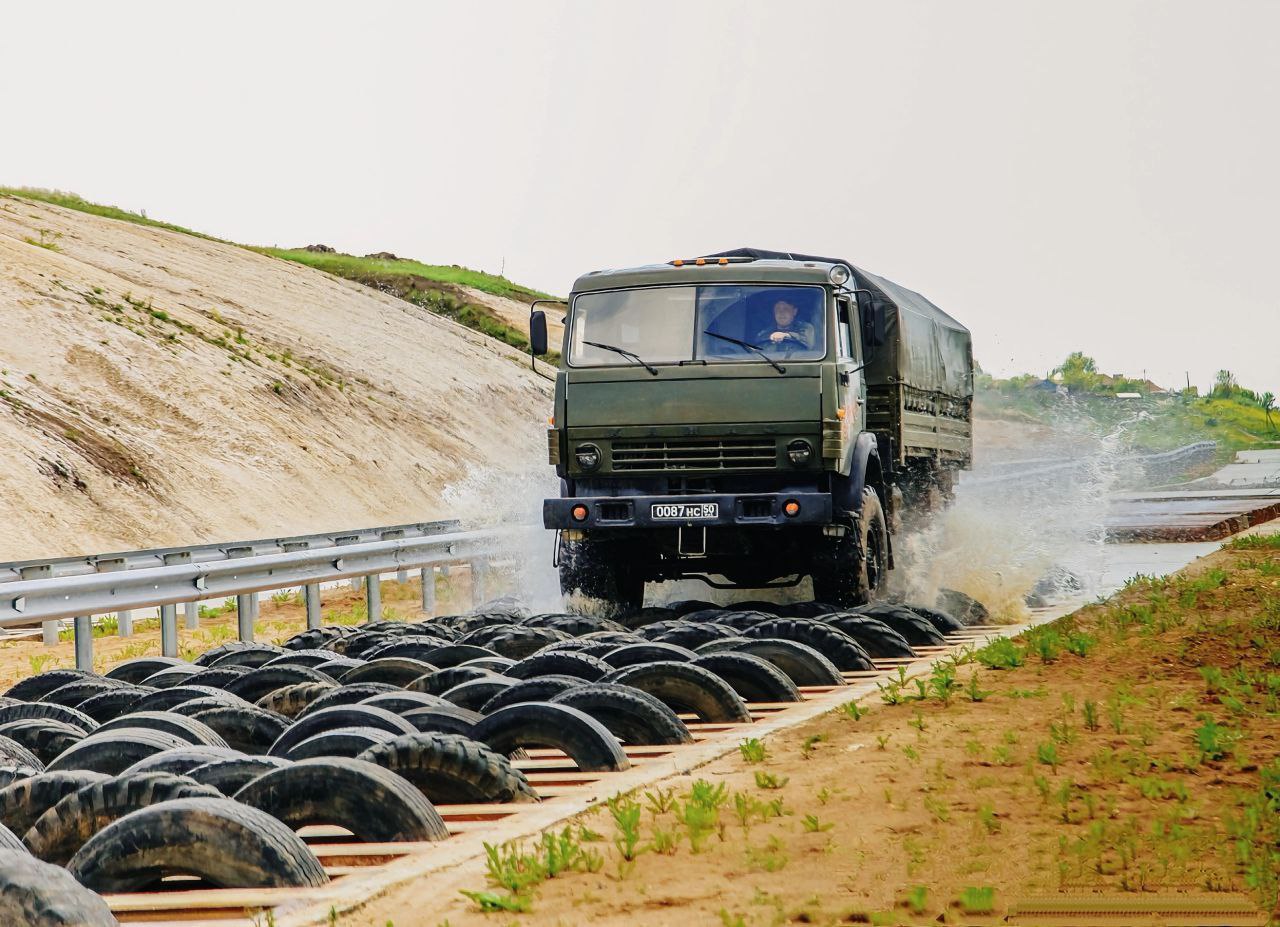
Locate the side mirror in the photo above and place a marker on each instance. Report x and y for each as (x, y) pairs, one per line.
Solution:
(537, 333)
(872, 313)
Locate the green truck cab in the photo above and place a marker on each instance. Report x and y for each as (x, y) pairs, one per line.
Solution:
(749, 418)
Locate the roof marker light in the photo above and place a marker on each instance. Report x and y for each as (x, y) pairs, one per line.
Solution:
(839, 275)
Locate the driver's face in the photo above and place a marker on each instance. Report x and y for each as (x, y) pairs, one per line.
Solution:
(784, 313)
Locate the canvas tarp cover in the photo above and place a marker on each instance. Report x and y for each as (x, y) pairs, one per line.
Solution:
(924, 347)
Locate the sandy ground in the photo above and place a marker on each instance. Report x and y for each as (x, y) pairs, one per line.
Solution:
(1078, 775)
(157, 388)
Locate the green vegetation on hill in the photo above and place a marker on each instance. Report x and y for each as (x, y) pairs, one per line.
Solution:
(437, 288)
(1235, 417)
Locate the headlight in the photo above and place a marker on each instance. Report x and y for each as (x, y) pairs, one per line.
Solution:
(799, 451)
(839, 275)
(588, 456)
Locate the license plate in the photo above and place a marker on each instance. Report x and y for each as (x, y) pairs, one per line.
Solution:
(685, 511)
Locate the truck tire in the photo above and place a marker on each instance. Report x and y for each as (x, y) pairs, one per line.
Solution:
(539, 689)
(315, 638)
(215, 677)
(963, 606)
(348, 695)
(453, 655)
(135, 670)
(13, 752)
(443, 719)
(576, 625)
(401, 701)
(328, 719)
(223, 842)
(58, 833)
(108, 705)
(347, 742)
(560, 663)
(338, 665)
(685, 687)
(11, 772)
(41, 894)
(213, 655)
(876, 637)
(945, 622)
(253, 685)
(472, 695)
(591, 572)
(250, 655)
(115, 751)
(291, 700)
(396, 671)
(181, 760)
(515, 642)
(10, 841)
(308, 658)
(246, 728)
(856, 571)
(168, 699)
(452, 769)
(24, 710)
(841, 649)
(31, 688)
(22, 802)
(633, 716)
(189, 730)
(73, 693)
(918, 631)
(693, 635)
(754, 679)
(546, 724)
(805, 666)
(647, 652)
(172, 676)
(373, 803)
(442, 680)
(415, 646)
(43, 737)
(231, 775)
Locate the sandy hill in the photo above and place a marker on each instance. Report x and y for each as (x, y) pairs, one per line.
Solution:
(161, 388)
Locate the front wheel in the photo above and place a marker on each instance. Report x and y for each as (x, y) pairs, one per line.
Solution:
(595, 571)
(857, 569)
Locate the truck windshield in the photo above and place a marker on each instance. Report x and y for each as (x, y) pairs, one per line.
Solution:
(670, 324)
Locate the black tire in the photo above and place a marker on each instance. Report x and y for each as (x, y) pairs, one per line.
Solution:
(181, 760)
(754, 679)
(647, 652)
(539, 689)
(841, 649)
(22, 711)
(688, 606)
(962, 606)
(230, 776)
(349, 695)
(210, 657)
(246, 728)
(452, 769)
(442, 680)
(168, 699)
(877, 638)
(189, 730)
(22, 802)
(415, 647)
(918, 631)
(254, 685)
(250, 655)
(11, 772)
(114, 751)
(494, 664)
(328, 719)
(373, 803)
(802, 663)
(400, 702)
(31, 688)
(10, 841)
(43, 737)
(560, 663)
(102, 708)
(135, 670)
(221, 841)
(685, 687)
(692, 635)
(338, 665)
(578, 625)
(853, 570)
(39, 894)
(215, 677)
(308, 658)
(516, 642)
(721, 644)
(595, 574)
(473, 695)
(73, 693)
(63, 829)
(945, 622)
(396, 671)
(171, 676)
(457, 654)
(446, 719)
(741, 619)
(290, 701)
(14, 753)
(633, 716)
(359, 643)
(545, 724)
(347, 742)
(315, 638)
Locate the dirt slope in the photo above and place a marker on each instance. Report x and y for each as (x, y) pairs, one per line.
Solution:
(158, 388)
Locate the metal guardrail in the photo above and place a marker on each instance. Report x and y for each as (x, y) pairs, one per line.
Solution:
(234, 570)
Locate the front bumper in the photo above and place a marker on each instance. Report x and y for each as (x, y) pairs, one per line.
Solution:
(746, 509)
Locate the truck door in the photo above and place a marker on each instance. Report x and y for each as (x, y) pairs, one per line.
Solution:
(849, 381)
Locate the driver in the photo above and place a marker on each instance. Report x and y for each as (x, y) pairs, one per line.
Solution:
(785, 329)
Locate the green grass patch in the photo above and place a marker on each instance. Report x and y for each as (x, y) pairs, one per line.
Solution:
(80, 204)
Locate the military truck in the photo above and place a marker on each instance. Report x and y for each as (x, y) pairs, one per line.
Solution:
(749, 418)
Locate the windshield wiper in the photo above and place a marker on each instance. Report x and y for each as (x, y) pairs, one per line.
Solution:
(744, 344)
(630, 355)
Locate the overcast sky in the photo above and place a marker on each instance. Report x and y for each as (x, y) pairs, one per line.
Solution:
(1099, 176)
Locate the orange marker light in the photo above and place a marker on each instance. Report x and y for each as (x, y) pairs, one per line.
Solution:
(791, 507)
(840, 413)
(700, 261)
(724, 260)
(579, 513)
(678, 262)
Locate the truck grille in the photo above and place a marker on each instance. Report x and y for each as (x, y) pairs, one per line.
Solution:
(695, 454)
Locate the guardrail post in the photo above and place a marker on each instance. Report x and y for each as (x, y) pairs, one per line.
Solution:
(49, 632)
(244, 618)
(255, 606)
(191, 611)
(48, 629)
(311, 591)
(83, 625)
(373, 596)
(428, 575)
(402, 576)
(477, 583)
(124, 622)
(168, 630)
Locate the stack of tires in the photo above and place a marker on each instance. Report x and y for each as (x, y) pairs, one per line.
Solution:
(209, 768)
